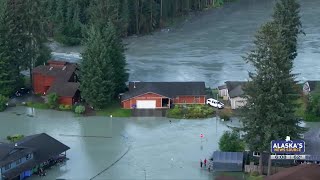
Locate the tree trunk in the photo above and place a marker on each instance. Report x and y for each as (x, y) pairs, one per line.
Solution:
(137, 16)
(269, 165)
(261, 164)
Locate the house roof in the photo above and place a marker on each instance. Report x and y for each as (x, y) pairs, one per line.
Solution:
(65, 89)
(313, 85)
(11, 153)
(167, 89)
(222, 87)
(59, 72)
(303, 171)
(235, 88)
(227, 157)
(45, 146)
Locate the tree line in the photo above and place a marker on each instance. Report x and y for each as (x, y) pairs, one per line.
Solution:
(68, 19)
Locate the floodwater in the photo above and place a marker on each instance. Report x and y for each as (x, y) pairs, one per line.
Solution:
(210, 47)
(128, 148)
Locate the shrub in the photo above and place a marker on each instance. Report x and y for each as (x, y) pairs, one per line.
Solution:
(38, 105)
(53, 100)
(225, 114)
(80, 109)
(231, 142)
(3, 102)
(175, 112)
(15, 138)
(65, 107)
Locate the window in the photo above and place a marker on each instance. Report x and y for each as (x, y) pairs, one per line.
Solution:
(28, 156)
(8, 166)
(18, 162)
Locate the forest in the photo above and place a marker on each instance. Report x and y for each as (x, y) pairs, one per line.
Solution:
(68, 19)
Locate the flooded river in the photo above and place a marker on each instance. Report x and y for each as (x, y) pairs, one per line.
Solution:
(209, 48)
(127, 148)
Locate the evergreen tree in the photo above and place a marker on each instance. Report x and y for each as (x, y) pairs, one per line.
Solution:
(269, 112)
(97, 87)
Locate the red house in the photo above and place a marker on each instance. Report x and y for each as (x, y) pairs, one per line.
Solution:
(57, 77)
(157, 95)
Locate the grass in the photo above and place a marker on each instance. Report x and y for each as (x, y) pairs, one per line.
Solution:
(38, 105)
(115, 110)
(190, 112)
(300, 111)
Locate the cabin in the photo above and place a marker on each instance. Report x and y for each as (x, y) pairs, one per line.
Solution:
(57, 77)
(21, 159)
(310, 86)
(162, 95)
(232, 91)
(227, 161)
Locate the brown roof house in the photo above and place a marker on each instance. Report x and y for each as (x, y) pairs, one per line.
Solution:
(57, 77)
(310, 86)
(232, 91)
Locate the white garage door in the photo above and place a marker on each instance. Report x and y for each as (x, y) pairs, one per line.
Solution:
(146, 104)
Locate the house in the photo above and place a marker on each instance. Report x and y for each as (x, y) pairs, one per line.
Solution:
(57, 77)
(232, 91)
(300, 172)
(310, 86)
(17, 161)
(159, 95)
(227, 161)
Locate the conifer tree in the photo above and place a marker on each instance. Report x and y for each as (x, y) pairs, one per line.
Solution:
(269, 112)
(97, 87)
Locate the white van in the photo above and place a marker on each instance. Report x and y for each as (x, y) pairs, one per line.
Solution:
(215, 103)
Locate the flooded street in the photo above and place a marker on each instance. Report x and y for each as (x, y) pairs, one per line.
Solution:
(209, 48)
(150, 147)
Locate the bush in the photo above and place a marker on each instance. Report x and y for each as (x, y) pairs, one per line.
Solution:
(225, 114)
(63, 107)
(53, 100)
(80, 109)
(3, 103)
(231, 142)
(15, 138)
(175, 112)
(191, 111)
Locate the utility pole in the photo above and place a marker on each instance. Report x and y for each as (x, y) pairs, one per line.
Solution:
(269, 165)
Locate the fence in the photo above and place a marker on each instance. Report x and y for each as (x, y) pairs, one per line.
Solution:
(255, 168)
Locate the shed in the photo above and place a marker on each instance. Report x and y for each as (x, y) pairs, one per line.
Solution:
(227, 161)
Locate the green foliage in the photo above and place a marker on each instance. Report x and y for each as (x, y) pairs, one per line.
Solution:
(114, 109)
(38, 105)
(190, 112)
(53, 100)
(64, 107)
(103, 73)
(15, 138)
(270, 110)
(3, 102)
(225, 114)
(231, 142)
(80, 109)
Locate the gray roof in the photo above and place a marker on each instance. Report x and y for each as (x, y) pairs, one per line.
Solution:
(222, 87)
(10, 153)
(235, 88)
(65, 89)
(227, 157)
(167, 89)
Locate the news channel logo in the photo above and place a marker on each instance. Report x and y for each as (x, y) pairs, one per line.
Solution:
(288, 146)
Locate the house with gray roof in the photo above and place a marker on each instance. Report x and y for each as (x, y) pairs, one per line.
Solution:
(232, 91)
(161, 95)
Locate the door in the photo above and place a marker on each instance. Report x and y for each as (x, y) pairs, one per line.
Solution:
(146, 104)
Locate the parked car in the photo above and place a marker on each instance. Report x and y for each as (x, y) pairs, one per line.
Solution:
(22, 92)
(215, 103)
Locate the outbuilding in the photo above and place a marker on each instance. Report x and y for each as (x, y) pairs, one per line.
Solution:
(162, 95)
(227, 161)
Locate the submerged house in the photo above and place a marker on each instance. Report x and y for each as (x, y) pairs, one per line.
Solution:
(19, 160)
(232, 91)
(162, 95)
(57, 77)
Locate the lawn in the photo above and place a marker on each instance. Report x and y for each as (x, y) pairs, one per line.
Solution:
(115, 110)
(300, 111)
(38, 105)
